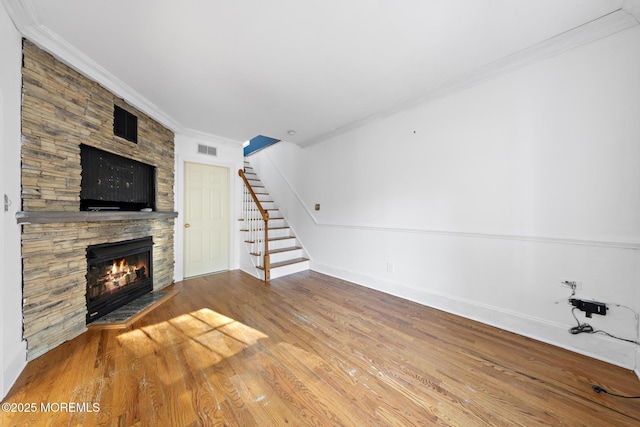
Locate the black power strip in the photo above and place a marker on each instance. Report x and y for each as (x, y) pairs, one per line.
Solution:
(590, 307)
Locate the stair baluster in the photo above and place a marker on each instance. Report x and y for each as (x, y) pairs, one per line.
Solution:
(257, 221)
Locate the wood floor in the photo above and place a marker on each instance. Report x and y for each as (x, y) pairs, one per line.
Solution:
(313, 350)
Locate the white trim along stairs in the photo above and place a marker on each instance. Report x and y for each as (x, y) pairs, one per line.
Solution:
(285, 251)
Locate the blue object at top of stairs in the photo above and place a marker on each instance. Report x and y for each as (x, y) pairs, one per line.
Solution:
(258, 143)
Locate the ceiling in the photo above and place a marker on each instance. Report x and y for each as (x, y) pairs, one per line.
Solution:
(239, 68)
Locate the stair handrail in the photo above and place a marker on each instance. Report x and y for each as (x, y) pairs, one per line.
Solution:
(265, 217)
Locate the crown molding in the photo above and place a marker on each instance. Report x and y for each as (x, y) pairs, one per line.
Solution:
(22, 13)
(626, 17)
(26, 19)
(192, 133)
(28, 23)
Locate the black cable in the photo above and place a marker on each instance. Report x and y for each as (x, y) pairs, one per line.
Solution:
(599, 331)
(582, 327)
(588, 329)
(599, 389)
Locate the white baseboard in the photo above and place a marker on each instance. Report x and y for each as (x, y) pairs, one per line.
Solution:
(15, 362)
(595, 346)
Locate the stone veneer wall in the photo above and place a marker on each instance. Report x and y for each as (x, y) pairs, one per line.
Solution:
(62, 109)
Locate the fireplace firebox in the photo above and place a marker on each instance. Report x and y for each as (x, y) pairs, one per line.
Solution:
(117, 273)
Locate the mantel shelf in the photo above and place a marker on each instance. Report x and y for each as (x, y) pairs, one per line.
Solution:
(57, 217)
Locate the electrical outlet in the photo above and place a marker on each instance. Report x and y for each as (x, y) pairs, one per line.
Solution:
(390, 267)
(572, 284)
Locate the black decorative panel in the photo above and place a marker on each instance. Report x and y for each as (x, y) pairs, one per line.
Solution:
(112, 182)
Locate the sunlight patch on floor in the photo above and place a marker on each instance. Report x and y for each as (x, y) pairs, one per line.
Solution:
(220, 334)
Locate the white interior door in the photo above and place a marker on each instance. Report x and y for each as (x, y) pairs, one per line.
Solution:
(206, 219)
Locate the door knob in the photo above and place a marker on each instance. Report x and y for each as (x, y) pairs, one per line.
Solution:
(187, 225)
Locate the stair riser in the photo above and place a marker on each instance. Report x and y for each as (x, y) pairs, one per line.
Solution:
(257, 187)
(273, 223)
(280, 232)
(286, 256)
(268, 205)
(281, 256)
(289, 269)
(273, 234)
(281, 244)
(277, 223)
(273, 245)
(273, 213)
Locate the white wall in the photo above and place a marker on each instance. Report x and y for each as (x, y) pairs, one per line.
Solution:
(229, 155)
(485, 199)
(13, 351)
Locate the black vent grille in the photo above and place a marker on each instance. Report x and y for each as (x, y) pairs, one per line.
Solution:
(125, 124)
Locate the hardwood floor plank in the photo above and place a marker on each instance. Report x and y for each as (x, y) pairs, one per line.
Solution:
(315, 350)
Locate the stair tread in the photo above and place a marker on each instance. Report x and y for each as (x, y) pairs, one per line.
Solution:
(261, 221)
(278, 251)
(285, 263)
(270, 218)
(288, 249)
(266, 209)
(270, 228)
(271, 239)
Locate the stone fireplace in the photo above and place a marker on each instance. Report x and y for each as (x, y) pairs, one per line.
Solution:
(63, 114)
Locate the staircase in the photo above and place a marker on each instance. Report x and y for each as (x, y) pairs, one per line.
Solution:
(284, 253)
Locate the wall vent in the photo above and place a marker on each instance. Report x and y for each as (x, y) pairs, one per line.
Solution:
(125, 124)
(205, 149)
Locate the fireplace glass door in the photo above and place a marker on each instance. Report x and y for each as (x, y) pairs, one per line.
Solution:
(117, 273)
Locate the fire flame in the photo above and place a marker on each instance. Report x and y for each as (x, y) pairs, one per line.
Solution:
(122, 272)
